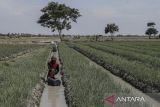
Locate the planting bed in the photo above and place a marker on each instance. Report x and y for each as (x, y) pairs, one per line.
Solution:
(85, 83)
(139, 75)
(131, 48)
(8, 51)
(148, 60)
(19, 76)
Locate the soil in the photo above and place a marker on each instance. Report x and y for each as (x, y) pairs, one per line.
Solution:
(34, 99)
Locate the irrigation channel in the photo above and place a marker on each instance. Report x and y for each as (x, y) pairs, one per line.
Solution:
(53, 96)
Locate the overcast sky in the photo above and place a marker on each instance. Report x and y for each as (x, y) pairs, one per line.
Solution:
(130, 15)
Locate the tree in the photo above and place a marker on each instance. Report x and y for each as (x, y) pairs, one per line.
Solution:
(111, 28)
(151, 24)
(58, 17)
(151, 29)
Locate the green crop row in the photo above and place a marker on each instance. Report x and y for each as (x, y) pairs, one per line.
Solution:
(19, 76)
(132, 49)
(152, 46)
(89, 83)
(149, 48)
(132, 71)
(138, 43)
(130, 55)
(7, 50)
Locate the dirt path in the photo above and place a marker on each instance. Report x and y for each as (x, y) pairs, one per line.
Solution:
(124, 84)
(53, 96)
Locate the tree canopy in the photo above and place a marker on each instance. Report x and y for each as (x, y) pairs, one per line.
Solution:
(151, 24)
(151, 29)
(58, 17)
(111, 28)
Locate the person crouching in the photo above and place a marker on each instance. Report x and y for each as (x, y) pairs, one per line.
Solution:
(53, 67)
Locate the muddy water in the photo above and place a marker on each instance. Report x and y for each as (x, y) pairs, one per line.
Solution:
(124, 84)
(53, 96)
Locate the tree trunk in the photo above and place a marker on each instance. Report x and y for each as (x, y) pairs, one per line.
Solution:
(60, 34)
(149, 36)
(96, 38)
(112, 36)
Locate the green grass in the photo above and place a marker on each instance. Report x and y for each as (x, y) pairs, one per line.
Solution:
(89, 83)
(19, 76)
(7, 50)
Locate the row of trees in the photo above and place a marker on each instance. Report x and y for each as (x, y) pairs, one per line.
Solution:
(58, 17)
(18, 35)
(151, 30)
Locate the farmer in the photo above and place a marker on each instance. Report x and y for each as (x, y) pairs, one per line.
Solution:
(53, 67)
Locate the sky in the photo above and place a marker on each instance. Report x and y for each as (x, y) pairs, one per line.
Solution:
(20, 16)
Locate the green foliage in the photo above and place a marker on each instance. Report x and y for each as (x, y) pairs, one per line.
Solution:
(148, 60)
(58, 16)
(90, 83)
(151, 29)
(87, 87)
(7, 50)
(145, 48)
(19, 78)
(151, 24)
(149, 75)
(111, 28)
